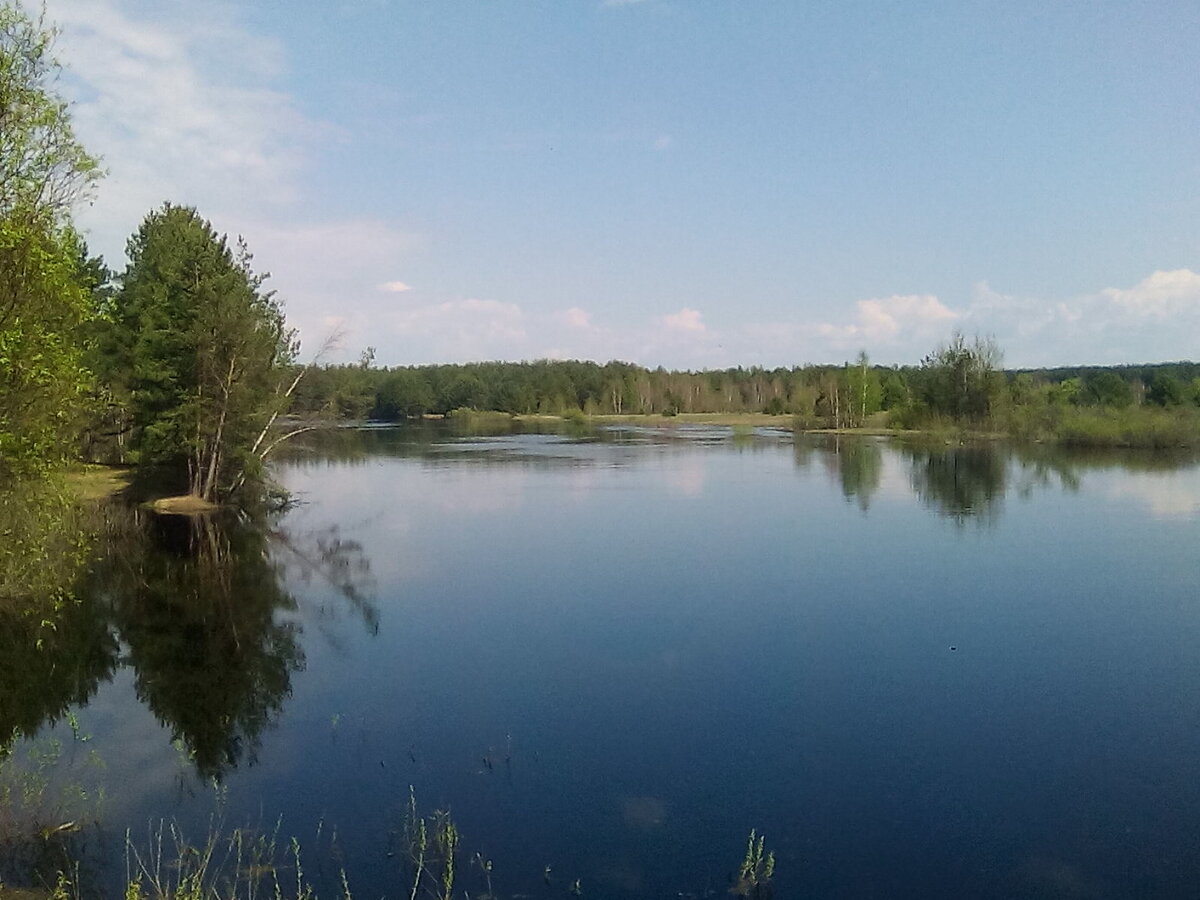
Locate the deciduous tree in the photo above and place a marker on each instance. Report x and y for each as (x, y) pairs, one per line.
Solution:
(44, 170)
(961, 380)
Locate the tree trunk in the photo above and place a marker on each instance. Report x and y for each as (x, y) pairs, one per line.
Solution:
(215, 453)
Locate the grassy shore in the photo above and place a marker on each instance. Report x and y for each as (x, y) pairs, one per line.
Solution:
(88, 482)
(732, 420)
(1139, 427)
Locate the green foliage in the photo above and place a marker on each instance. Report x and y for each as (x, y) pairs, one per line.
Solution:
(44, 546)
(43, 172)
(895, 392)
(1166, 390)
(42, 379)
(564, 388)
(864, 390)
(1107, 388)
(1028, 404)
(1148, 427)
(961, 380)
(243, 864)
(431, 847)
(43, 168)
(205, 349)
(403, 394)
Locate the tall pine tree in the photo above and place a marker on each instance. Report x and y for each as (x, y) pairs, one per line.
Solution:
(204, 347)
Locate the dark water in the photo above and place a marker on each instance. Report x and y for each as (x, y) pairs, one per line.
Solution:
(971, 671)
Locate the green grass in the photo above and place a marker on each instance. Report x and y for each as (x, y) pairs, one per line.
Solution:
(732, 420)
(88, 482)
(1145, 427)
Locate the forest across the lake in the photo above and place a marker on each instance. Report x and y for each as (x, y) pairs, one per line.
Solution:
(959, 384)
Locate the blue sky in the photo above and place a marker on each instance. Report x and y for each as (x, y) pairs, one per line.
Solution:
(675, 182)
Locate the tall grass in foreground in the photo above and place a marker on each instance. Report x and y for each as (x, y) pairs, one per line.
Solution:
(248, 865)
(43, 854)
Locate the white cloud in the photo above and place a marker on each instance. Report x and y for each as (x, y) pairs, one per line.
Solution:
(686, 319)
(890, 320)
(576, 318)
(182, 108)
(1161, 295)
(882, 320)
(183, 102)
(1158, 318)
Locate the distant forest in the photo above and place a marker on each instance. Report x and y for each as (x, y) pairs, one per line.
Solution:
(959, 380)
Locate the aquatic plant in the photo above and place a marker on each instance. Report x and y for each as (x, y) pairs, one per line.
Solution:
(756, 872)
(244, 864)
(432, 845)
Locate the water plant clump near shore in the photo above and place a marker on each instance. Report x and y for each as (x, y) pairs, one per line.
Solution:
(246, 863)
(250, 863)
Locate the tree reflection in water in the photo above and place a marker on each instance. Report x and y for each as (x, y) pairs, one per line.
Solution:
(54, 652)
(962, 483)
(859, 465)
(200, 605)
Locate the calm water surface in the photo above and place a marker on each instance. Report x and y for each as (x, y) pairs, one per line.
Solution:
(967, 672)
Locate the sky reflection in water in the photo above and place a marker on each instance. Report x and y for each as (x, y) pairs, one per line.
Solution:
(615, 654)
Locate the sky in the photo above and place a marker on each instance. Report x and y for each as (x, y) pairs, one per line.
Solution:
(686, 183)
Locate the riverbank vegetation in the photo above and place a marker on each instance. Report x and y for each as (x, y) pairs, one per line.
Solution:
(959, 388)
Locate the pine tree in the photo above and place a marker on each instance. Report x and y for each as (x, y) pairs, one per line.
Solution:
(205, 348)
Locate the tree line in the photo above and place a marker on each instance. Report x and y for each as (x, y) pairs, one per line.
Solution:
(961, 380)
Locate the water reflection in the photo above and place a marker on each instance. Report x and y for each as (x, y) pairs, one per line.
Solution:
(197, 607)
(857, 464)
(44, 545)
(961, 483)
(624, 603)
(199, 604)
(46, 670)
(54, 652)
(969, 482)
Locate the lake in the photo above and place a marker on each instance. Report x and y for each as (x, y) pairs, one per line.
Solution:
(919, 672)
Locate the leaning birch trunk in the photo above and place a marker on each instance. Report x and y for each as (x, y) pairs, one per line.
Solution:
(271, 419)
(214, 459)
(275, 413)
